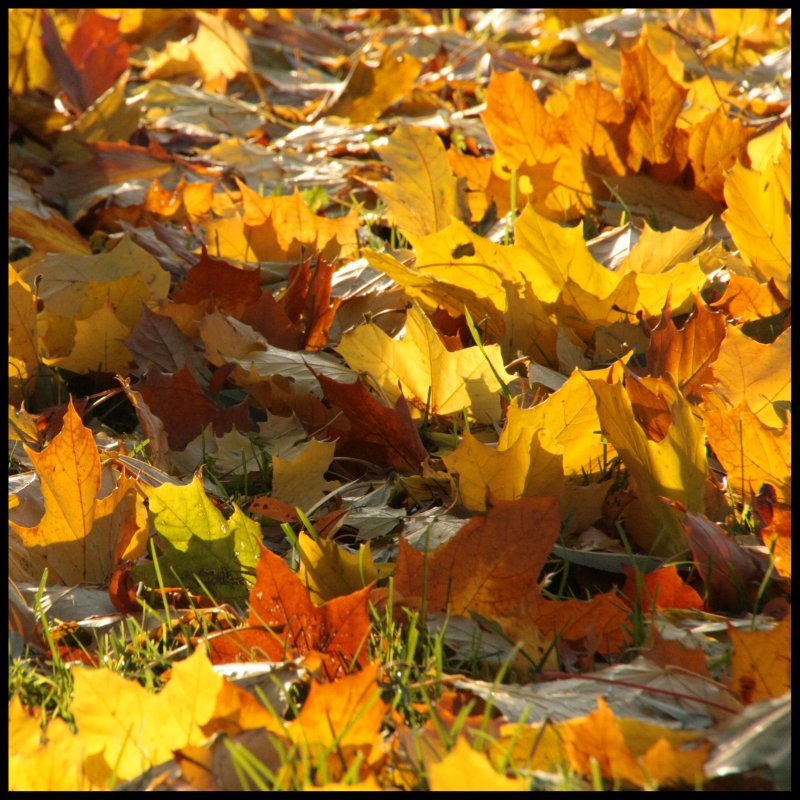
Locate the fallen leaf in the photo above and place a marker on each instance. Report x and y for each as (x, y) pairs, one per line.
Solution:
(732, 576)
(370, 90)
(430, 377)
(232, 289)
(199, 548)
(330, 570)
(674, 467)
(755, 374)
(424, 194)
(531, 466)
(687, 354)
(127, 729)
(381, 435)
(637, 752)
(760, 223)
(300, 479)
(661, 588)
(78, 537)
(284, 620)
(751, 452)
(490, 566)
(217, 49)
(285, 229)
(761, 663)
(656, 100)
(185, 409)
(463, 769)
(517, 122)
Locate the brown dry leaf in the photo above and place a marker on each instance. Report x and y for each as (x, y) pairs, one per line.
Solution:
(732, 575)
(424, 194)
(761, 662)
(99, 55)
(185, 409)
(776, 530)
(381, 435)
(233, 289)
(78, 539)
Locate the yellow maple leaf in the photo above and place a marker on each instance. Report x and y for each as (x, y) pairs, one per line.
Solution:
(531, 466)
(751, 452)
(419, 367)
(754, 373)
(761, 662)
(300, 480)
(217, 50)
(656, 99)
(329, 570)
(97, 344)
(370, 90)
(285, 228)
(639, 752)
(517, 122)
(23, 341)
(424, 194)
(131, 729)
(345, 714)
(463, 770)
(53, 760)
(78, 536)
(760, 223)
(674, 467)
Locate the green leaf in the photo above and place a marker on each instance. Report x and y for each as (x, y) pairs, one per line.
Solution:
(199, 547)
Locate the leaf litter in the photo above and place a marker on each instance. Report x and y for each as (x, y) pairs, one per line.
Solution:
(435, 364)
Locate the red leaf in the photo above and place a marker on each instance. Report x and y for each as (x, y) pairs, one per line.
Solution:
(663, 588)
(284, 622)
(233, 289)
(385, 436)
(185, 410)
(99, 53)
(731, 575)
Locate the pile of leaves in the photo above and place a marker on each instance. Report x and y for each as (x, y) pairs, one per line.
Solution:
(399, 399)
